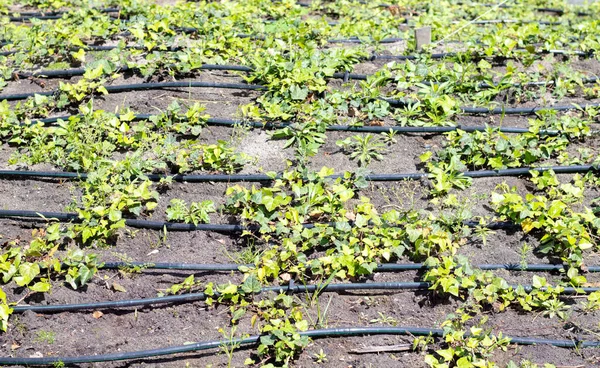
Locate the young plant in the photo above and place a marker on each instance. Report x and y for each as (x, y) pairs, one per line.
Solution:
(363, 148)
(196, 213)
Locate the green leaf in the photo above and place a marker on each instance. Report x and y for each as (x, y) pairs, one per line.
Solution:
(538, 282)
(267, 340)
(251, 285)
(447, 354)
(114, 215)
(556, 209)
(464, 362)
(297, 93)
(227, 289)
(41, 287)
(239, 313)
(302, 325)
(425, 156)
(85, 274)
(27, 272)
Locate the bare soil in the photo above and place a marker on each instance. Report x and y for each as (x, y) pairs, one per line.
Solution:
(159, 326)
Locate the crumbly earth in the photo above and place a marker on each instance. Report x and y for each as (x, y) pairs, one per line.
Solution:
(81, 333)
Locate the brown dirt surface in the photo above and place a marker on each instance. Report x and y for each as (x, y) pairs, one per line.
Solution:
(130, 329)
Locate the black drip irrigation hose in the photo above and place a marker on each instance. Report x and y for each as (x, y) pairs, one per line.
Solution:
(386, 267)
(175, 226)
(371, 58)
(562, 11)
(346, 76)
(524, 110)
(445, 55)
(351, 40)
(256, 87)
(136, 223)
(491, 5)
(29, 18)
(65, 73)
(26, 16)
(358, 40)
(503, 110)
(253, 340)
(292, 288)
(202, 178)
(59, 12)
(193, 297)
(102, 48)
(509, 21)
(173, 266)
(380, 129)
(144, 86)
(335, 128)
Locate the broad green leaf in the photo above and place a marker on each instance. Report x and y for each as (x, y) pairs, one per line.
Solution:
(251, 285)
(27, 272)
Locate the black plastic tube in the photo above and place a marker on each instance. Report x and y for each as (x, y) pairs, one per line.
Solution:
(380, 129)
(174, 226)
(522, 110)
(101, 48)
(393, 267)
(386, 267)
(253, 340)
(526, 171)
(491, 5)
(265, 178)
(143, 224)
(504, 110)
(26, 16)
(188, 30)
(173, 266)
(562, 11)
(193, 297)
(504, 6)
(342, 128)
(444, 55)
(392, 102)
(373, 57)
(144, 86)
(54, 12)
(65, 73)
(160, 85)
(346, 128)
(510, 21)
(291, 288)
(357, 40)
